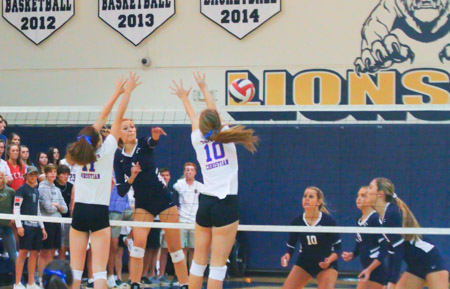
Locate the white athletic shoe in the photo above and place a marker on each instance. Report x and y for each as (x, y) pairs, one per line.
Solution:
(34, 286)
(111, 282)
(19, 286)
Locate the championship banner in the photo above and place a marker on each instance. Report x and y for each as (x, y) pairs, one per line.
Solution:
(240, 17)
(37, 20)
(135, 19)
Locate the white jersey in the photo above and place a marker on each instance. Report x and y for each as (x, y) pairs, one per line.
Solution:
(93, 182)
(219, 165)
(188, 198)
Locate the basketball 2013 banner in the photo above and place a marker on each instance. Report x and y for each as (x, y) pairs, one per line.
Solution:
(37, 19)
(240, 17)
(135, 19)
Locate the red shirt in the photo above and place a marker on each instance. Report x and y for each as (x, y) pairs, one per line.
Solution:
(17, 175)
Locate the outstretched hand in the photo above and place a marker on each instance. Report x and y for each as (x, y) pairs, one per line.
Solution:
(179, 90)
(132, 83)
(120, 86)
(200, 79)
(157, 132)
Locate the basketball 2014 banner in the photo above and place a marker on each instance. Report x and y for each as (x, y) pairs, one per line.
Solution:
(135, 19)
(37, 20)
(240, 17)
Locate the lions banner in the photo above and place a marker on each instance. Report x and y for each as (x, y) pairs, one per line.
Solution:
(240, 17)
(135, 19)
(401, 74)
(37, 20)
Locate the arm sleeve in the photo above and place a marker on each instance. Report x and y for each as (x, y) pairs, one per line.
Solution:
(357, 248)
(395, 263)
(17, 204)
(383, 248)
(122, 185)
(41, 224)
(151, 143)
(393, 218)
(293, 237)
(336, 242)
(45, 199)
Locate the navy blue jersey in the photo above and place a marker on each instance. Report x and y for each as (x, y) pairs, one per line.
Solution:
(147, 180)
(370, 246)
(314, 246)
(393, 218)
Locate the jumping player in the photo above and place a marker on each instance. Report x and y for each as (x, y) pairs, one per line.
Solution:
(217, 217)
(318, 251)
(134, 167)
(371, 248)
(93, 187)
(424, 261)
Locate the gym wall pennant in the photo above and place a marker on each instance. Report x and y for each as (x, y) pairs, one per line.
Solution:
(37, 19)
(135, 19)
(240, 17)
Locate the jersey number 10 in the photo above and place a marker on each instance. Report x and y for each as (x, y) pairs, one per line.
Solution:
(217, 149)
(312, 240)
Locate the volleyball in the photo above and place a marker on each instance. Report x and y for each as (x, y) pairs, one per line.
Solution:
(242, 90)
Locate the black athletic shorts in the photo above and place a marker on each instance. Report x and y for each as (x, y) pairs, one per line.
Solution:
(154, 202)
(53, 240)
(121, 243)
(89, 217)
(32, 239)
(312, 266)
(153, 238)
(215, 212)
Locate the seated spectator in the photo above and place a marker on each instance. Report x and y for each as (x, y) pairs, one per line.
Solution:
(41, 162)
(14, 138)
(24, 155)
(53, 156)
(3, 124)
(4, 168)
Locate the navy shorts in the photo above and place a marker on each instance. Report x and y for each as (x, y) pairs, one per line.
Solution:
(423, 264)
(53, 240)
(154, 202)
(153, 238)
(312, 266)
(215, 212)
(32, 239)
(89, 217)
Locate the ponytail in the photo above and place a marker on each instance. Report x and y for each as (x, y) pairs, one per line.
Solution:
(57, 275)
(82, 152)
(213, 130)
(55, 282)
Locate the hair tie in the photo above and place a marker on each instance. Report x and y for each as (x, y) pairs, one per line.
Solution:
(86, 137)
(50, 273)
(210, 133)
(394, 196)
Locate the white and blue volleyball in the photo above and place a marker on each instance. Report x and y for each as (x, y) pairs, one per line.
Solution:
(242, 90)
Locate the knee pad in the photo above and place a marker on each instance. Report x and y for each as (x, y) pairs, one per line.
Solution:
(99, 275)
(77, 274)
(177, 256)
(217, 273)
(197, 270)
(137, 252)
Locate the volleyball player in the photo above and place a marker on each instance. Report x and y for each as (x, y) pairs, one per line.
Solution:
(134, 167)
(218, 213)
(425, 263)
(57, 275)
(371, 248)
(93, 187)
(318, 251)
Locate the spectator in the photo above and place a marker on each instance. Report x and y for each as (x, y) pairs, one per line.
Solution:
(41, 162)
(66, 189)
(4, 168)
(14, 138)
(31, 234)
(3, 124)
(6, 232)
(53, 156)
(15, 166)
(24, 154)
(52, 204)
(189, 190)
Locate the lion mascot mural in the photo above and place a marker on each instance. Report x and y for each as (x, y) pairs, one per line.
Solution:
(422, 20)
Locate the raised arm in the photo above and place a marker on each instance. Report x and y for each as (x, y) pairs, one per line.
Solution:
(103, 117)
(183, 94)
(131, 84)
(201, 82)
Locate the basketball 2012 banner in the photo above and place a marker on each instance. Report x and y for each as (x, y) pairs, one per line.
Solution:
(240, 17)
(135, 19)
(37, 20)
